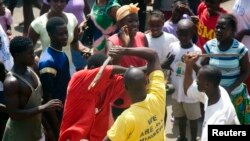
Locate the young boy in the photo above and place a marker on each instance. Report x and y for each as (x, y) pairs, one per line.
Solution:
(208, 13)
(157, 39)
(184, 108)
(54, 68)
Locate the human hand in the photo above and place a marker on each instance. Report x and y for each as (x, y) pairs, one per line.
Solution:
(54, 104)
(124, 35)
(190, 58)
(116, 52)
(168, 61)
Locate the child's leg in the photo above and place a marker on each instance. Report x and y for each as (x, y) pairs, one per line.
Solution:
(179, 115)
(193, 113)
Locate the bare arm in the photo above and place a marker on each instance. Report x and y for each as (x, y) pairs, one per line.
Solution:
(145, 53)
(33, 35)
(242, 33)
(244, 71)
(112, 12)
(11, 93)
(190, 63)
(76, 44)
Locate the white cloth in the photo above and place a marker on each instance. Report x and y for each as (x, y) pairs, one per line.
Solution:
(5, 55)
(241, 11)
(161, 44)
(177, 75)
(220, 113)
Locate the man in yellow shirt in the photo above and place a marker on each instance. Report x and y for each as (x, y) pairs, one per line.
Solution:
(144, 120)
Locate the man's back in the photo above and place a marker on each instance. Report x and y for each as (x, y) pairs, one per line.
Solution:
(143, 120)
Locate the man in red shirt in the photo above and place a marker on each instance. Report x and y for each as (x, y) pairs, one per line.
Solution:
(87, 112)
(208, 13)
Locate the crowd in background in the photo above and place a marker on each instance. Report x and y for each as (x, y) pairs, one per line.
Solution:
(194, 50)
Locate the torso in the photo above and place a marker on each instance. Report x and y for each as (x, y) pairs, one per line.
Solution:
(24, 90)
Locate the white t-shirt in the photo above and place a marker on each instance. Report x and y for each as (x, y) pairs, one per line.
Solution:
(5, 55)
(220, 113)
(177, 75)
(161, 44)
(241, 11)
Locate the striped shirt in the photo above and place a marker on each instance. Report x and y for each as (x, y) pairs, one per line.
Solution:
(229, 66)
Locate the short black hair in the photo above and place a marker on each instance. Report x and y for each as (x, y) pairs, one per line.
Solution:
(53, 23)
(231, 20)
(212, 74)
(96, 60)
(178, 2)
(50, 0)
(19, 44)
(158, 14)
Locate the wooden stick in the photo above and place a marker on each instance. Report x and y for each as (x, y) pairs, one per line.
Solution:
(220, 55)
(99, 74)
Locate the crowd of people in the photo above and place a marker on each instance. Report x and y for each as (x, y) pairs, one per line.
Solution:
(195, 51)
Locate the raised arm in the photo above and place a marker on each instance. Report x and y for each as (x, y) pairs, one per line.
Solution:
(190, 64)
(145, 53)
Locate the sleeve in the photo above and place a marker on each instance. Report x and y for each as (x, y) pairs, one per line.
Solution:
(112, 3)
(242, 50)
(156, 84)
(121, 129)
(47, 76)
(72, 17)
(36, 25)
(9, 17)
(206, 47)
(194, 93)
(200, 8)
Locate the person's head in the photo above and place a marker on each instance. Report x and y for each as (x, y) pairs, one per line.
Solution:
(127, 15)
(226, 27)
(135, 83)
(57, 30)
(22, 50)
(96, 60)
(57, 5)
(178, 9)
(185, 31)
(3, 71)
(156, 22)
(212, 6)
(208, 78)
(1, 5)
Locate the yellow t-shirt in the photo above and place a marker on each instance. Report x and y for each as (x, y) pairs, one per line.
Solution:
(143, 120)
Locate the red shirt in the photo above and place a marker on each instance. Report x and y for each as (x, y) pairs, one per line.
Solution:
(206, 25)
(87, 112)
(127, 61)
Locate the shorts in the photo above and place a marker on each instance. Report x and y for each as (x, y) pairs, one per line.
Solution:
(190, 110)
